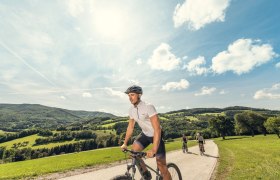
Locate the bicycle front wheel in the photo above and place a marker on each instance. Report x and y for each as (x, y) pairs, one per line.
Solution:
(174, 171)
(122, 177)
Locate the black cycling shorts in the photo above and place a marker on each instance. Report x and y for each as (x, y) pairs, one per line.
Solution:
(145, 141)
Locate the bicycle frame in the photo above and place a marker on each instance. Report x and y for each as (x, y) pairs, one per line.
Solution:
(136, 161)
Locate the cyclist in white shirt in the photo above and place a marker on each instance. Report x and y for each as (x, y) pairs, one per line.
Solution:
(146, 116)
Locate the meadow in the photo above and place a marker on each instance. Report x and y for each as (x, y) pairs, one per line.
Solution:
(62, 163)
(246, 157)
(31, 140)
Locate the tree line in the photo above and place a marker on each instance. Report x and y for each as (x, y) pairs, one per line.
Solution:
(228, 124)
(14, 154)
(245, 123)
(11, 136)
(65, 136)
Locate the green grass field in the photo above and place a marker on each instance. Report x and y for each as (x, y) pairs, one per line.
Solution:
(192, 118)
(31, 139)
(245, 157)
(214, 114)
(107, 125)
(66, 162)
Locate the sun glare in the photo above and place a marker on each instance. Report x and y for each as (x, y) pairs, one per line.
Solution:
(110, 23)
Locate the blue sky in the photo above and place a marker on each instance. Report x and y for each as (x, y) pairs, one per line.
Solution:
(83, 54)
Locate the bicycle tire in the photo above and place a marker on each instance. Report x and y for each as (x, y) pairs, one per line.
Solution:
(184, 147)
(174, 171)
(122, 177)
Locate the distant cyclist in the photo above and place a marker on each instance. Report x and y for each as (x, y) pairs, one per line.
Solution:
(201, 141)
(185, 145)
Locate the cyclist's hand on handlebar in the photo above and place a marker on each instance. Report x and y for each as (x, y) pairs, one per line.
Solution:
(124, 146)
(150, 154)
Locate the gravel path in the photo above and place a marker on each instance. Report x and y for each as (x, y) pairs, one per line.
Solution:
(192, 165)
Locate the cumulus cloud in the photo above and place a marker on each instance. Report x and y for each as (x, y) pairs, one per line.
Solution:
(139, 61)
(87, 95)
(163, 59)
(206, 91)
(182, 84)
(75, 7)
(277, 65)
(112, 92)
(242, 56)
(222, 92)
(195, 66)
(197, 13)
(268, 93)
(62, 97)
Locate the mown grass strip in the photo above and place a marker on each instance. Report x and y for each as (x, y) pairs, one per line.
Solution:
(245, 157)
(67, 162)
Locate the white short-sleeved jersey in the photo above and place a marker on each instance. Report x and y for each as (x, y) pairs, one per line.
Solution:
(141, 114)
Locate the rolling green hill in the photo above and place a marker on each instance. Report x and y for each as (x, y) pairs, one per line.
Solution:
(16, 117)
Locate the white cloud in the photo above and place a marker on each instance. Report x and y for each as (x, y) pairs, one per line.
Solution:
(134, 81)
(112, 92)
(139, 61)
(277, 65)
(197, 13)
(222, 92)
(163, 59)
(242, 56)
(62, 97)
(87, 95)
(75, 7)
(268, 93)
(195, 66)
(102, 110)
(206, 91)
(182, 84)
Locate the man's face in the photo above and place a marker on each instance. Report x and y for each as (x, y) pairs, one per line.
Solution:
(133, 97)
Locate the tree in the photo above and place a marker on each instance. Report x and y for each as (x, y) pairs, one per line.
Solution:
(259, 120)
(222, 125)
(272, 125)
(249, 122)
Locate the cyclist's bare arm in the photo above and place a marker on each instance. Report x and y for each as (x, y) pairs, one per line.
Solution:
(129, 131)
(157, 133)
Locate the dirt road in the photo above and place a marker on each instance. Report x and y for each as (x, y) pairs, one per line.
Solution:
(192, 165)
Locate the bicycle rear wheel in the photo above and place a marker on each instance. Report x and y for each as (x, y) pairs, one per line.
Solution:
(174, 171)
(122, 177)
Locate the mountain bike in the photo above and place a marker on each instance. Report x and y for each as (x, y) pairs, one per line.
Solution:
(185, 147)
(136, 160)
(201, 148)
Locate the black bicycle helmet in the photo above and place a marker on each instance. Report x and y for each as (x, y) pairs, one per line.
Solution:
(134, 89)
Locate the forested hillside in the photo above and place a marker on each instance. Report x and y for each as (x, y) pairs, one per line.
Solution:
(17, 117)
(33, 131)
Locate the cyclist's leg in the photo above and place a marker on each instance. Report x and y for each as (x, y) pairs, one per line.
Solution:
(139, 144)
(161, 161)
